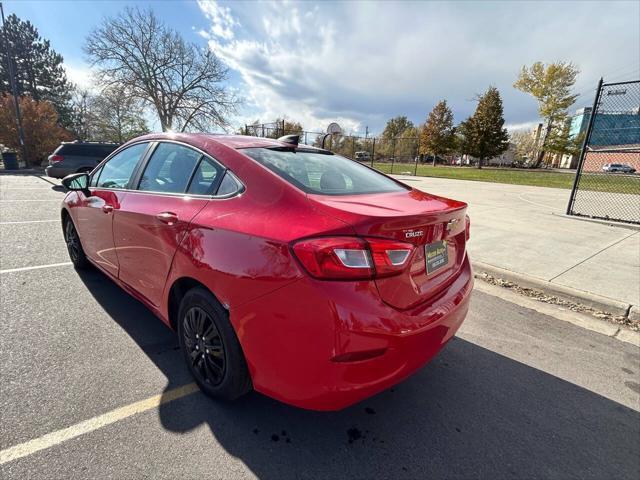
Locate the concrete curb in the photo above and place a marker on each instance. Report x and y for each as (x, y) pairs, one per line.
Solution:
(23, 171)
(578, 319)
(609, 223)
(589, 299)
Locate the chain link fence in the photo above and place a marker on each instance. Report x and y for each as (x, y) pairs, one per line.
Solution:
(607, 182)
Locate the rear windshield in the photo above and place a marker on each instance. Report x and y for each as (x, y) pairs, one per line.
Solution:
(84, 150)
(322, 173)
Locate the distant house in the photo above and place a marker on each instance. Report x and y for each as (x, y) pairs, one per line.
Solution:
(507, 159)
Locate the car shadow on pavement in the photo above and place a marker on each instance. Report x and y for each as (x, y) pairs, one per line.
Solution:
(470, 413)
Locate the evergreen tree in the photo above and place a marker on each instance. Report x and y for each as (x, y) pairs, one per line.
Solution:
(438, 134)
(483, 134)
(38, 68)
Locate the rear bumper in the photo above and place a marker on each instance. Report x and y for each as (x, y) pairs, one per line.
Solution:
(292, 337)
(57, 172)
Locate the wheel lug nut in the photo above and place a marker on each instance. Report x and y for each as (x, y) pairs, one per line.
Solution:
(207, 350)
(197, 347)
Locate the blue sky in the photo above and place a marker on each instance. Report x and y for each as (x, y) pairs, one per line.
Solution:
(360, 63)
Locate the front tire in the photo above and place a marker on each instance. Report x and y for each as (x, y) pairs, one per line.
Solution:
(210, 346)
(74, 247)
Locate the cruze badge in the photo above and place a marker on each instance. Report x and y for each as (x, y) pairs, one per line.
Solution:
(419, 233)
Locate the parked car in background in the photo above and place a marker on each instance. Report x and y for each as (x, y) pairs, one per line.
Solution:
(363, 156)
(76, 157)
(618, 168)
(284, 268)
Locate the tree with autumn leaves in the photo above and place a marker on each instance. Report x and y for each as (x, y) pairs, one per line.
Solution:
(40, 119)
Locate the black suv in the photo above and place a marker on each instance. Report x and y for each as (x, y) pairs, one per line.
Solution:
(73, 157)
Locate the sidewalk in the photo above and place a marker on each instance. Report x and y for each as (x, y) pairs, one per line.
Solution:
(522, 229)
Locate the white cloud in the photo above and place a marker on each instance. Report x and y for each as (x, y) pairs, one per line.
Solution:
(222, 22)
(360, 63)
(81, 75)
(514, 127)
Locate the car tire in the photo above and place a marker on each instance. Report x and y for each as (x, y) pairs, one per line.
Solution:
(74, 246)
(210, 346)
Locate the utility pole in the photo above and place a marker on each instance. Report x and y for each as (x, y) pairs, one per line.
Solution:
(14, 89)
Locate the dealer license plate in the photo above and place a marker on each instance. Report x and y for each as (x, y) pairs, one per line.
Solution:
(436, 255)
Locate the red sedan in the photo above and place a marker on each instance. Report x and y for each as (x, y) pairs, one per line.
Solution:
(285, 268)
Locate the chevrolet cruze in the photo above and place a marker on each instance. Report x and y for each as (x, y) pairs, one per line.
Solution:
(283, 268)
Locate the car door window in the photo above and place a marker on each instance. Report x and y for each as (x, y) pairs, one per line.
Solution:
(116, 173)
(206, 177)
(94, 178)
(169, 169)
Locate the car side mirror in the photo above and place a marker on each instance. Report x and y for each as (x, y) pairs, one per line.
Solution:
(76, 182)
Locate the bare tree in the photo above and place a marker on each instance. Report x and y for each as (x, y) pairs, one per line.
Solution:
(152, 62)
(117, 117)
(110, 116)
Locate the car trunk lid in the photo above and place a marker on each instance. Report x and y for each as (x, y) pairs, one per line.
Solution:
(434, 225)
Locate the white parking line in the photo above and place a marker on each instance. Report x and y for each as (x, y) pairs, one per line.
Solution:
(55, 438)
(30, 221)
(36, 267)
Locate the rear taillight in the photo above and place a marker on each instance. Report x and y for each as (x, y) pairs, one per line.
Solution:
(467, 227)
(352, 258)
(55, 158)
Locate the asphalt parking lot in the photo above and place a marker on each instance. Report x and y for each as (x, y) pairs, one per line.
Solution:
(93, 386)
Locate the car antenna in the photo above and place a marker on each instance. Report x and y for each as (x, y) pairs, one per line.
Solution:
(290, 139)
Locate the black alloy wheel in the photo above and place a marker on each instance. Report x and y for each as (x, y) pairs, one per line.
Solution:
(204, 346)
(74, 247)
(211, 347)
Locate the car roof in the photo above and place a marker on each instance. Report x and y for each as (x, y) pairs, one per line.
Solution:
(82, 144)
(200, 140)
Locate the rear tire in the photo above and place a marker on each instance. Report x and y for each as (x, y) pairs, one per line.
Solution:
(210, 346)
(74, 246)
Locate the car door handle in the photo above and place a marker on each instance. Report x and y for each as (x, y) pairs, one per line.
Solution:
(107, 208)
(167, 217)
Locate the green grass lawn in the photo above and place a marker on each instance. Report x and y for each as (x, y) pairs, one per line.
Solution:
(594, 182)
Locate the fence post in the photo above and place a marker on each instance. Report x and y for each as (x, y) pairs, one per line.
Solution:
(393, 154)
(373, 151)
(583, 151)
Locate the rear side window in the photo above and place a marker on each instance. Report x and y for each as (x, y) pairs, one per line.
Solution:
(229, 185)
(116, 173)
(169, 169)
(205, 178)
(322, 173)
